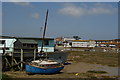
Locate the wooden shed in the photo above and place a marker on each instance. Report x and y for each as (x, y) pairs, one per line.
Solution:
(27, 45)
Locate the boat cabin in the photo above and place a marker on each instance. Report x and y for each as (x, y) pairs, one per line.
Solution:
(46, 63)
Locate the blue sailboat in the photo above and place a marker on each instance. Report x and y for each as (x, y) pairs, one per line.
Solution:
(44, 65)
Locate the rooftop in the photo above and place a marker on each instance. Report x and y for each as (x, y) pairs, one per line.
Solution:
(28, 41)
(11, 37)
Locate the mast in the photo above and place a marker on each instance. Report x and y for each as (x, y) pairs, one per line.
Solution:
(44, 32)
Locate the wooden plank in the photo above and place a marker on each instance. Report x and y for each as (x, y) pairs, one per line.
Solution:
(16, 63)
(21, 59)
(34, 54)
(12, 61)
(7, 62)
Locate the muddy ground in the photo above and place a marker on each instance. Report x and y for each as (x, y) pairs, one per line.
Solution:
(74, 70)
(82, 65)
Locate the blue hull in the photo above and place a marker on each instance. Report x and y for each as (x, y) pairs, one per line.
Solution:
(32, 69)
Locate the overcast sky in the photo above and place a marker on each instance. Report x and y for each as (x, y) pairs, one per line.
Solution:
(88, 20)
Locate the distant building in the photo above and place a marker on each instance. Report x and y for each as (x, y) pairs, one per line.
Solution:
(67, 41)
(83, 43)
(74, 42)
(64, 41)
(115, 43)
(58, 41)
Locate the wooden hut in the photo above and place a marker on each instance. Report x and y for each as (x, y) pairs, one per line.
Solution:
(26, 45)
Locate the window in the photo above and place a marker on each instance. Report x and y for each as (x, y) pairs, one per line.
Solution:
(43, 65)
(46, 42)
(24, 45)
(2, 41)
(70, 43)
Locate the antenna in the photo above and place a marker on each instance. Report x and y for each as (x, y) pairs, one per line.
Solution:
(44, 32)
(41, 29)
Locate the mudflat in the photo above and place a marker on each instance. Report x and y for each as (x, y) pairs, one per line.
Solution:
(82, 65)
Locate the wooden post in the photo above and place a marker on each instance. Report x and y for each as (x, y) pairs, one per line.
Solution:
(46, 53)
(34, 54)
(21, 59)
(4, 49)
(12, 61)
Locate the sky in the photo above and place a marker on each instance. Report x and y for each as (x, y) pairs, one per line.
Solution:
(88, 20)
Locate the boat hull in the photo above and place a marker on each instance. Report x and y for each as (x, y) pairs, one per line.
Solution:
(32, 69)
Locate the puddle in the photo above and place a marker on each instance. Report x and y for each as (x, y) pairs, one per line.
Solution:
(84, 67)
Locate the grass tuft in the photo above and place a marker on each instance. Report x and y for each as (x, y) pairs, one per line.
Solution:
(99, 72)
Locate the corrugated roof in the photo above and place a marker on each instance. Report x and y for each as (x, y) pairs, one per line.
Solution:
(28, 41)
(34, 38)
(7, 37)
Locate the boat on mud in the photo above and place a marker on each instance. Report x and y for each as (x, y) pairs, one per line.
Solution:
(44, 65)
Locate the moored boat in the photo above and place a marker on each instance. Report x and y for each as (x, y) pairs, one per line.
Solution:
(45, 66)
